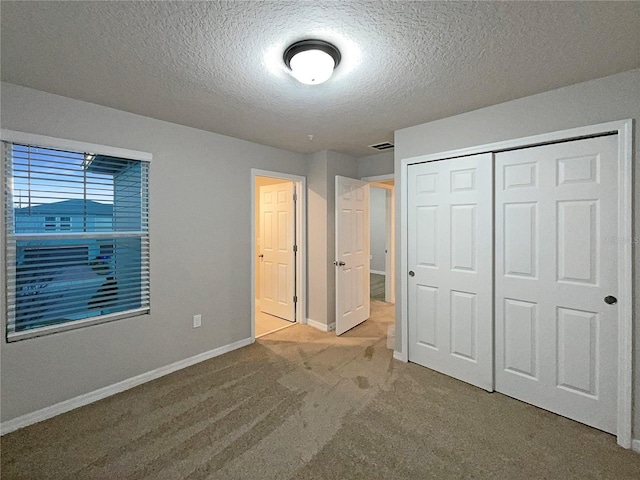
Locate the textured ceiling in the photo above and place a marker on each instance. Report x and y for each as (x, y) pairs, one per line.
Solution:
(218, 66)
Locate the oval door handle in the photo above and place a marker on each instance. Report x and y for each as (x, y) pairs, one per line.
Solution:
(261, 255)
(610, 300)
(339, 264)
(411, 273)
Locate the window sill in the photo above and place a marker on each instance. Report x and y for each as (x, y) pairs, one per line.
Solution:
(74, 325)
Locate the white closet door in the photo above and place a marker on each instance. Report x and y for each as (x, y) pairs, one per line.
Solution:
(450, 233)
(556, 338)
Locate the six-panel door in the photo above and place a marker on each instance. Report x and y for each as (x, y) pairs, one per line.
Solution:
(556, 261)
(450, 231)
(352, 253)
(277, 266)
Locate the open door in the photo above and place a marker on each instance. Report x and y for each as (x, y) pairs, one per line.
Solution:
(277, 252)
(389, 263)
(352, 253)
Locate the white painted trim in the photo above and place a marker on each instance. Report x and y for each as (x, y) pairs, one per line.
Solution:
(625, 283)
(404, 235)
(624, 130)
(635, 445)
(398, 356)
(379, 178)
(300, 183)
(534, 140)
(66, 327)
(378, 272)
(382, 186)
(62, 144)
(87, 398)
(321, 326)
(390, 260)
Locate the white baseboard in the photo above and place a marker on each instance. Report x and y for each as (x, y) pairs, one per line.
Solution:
(635, 445)
(398, 356)
(87, 398)
(321, 326)
(378, 272)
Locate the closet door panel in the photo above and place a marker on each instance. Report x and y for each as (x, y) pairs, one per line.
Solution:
(450, 254)
(556, 338)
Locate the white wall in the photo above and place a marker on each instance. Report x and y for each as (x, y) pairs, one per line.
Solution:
(200, 224)
(378, 228)
(373, 165)
(612, 98)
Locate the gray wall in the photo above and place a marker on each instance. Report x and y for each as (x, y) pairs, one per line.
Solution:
(200, 224)
(317, 261)
(612, 98)
(378, 228)
(323, 168)
(373, 165)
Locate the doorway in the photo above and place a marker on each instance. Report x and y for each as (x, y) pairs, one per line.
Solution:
(381, 218)
(381, 238)
(277, 251)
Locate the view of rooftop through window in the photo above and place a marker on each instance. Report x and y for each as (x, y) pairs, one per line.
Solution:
(37, 181)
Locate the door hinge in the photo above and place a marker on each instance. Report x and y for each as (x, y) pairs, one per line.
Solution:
(295, 248)
(295, 299)
(295, 197)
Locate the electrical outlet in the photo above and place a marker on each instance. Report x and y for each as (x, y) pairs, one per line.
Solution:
(197, 321)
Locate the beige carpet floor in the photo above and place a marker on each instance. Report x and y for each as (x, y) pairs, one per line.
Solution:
(302, 404)
(266, 323)
(376, 285)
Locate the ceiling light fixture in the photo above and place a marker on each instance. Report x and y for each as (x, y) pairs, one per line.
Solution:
(312, 61)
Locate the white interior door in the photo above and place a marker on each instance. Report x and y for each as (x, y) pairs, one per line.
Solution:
(352, 253)
(450, 233)
(556, 338)
(277, 238)
(389, 263)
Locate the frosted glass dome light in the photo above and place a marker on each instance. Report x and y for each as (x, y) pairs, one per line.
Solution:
(312, 61)
(312, 66)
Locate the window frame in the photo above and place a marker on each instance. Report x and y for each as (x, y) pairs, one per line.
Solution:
(43, 141)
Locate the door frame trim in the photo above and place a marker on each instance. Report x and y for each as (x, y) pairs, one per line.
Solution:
(624, 130)
(300, 185)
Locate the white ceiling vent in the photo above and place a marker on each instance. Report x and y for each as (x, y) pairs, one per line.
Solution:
(382, 146)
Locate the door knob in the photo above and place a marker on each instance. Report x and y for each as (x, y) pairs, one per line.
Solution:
(339, 264)
(610, 300)
(261, 255)
(411, 273)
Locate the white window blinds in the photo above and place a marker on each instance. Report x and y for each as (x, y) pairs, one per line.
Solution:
(77, 239)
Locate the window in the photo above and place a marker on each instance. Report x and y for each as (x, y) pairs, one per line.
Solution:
(65, 223)
(50, 224)
(77, 240)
